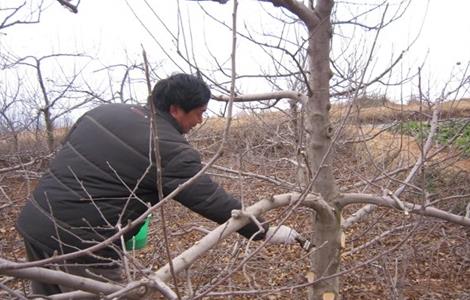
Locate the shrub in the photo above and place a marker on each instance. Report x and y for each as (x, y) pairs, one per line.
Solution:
(372, 100)
(447, 130)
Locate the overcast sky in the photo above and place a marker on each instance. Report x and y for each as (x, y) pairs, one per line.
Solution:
(108, 29)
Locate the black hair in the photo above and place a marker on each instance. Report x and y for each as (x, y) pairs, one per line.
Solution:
(183, 90)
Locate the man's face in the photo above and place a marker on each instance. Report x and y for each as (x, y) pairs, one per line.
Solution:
(187, 120)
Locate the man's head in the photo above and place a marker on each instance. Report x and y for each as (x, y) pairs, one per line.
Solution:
(183, 96)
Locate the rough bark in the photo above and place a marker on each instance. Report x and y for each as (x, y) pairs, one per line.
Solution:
(325, 261)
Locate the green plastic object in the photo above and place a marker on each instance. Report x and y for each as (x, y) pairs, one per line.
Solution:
(139, 240)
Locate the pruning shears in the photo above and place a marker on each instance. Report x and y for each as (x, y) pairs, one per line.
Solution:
(304, 243)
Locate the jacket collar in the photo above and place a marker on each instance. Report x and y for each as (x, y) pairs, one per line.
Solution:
(169, 118)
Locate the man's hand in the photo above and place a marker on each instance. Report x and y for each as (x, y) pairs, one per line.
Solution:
(281, 235)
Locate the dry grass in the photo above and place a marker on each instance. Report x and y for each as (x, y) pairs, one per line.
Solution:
(269, 117)
(394, 149)
(29, 142)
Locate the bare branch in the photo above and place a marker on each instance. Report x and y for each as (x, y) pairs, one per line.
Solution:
(68, 4)
(265, 96)
(33, 18)
(61, 278)
(350, 198)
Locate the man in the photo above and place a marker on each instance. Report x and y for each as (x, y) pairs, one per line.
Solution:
(104, 175)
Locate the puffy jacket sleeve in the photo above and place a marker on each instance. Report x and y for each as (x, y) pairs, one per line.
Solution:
(203, 196)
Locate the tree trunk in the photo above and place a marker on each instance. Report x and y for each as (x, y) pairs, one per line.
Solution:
(49, 129)
(327, 227)
(46, 110)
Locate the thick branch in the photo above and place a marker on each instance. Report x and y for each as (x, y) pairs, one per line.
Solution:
(86, 288)
(351, 198)
(238, 220)
(61, 278)
(306, 14)
(263, 96)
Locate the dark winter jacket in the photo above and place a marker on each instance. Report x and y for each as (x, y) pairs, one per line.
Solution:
(105, 171)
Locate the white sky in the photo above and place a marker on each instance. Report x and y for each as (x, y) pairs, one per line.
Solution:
(107, 29)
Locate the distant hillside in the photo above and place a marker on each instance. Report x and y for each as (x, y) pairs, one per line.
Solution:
(377, 113)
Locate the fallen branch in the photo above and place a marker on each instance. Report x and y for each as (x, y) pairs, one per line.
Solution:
(22, 166)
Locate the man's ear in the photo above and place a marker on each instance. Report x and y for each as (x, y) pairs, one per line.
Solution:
(174, 111)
